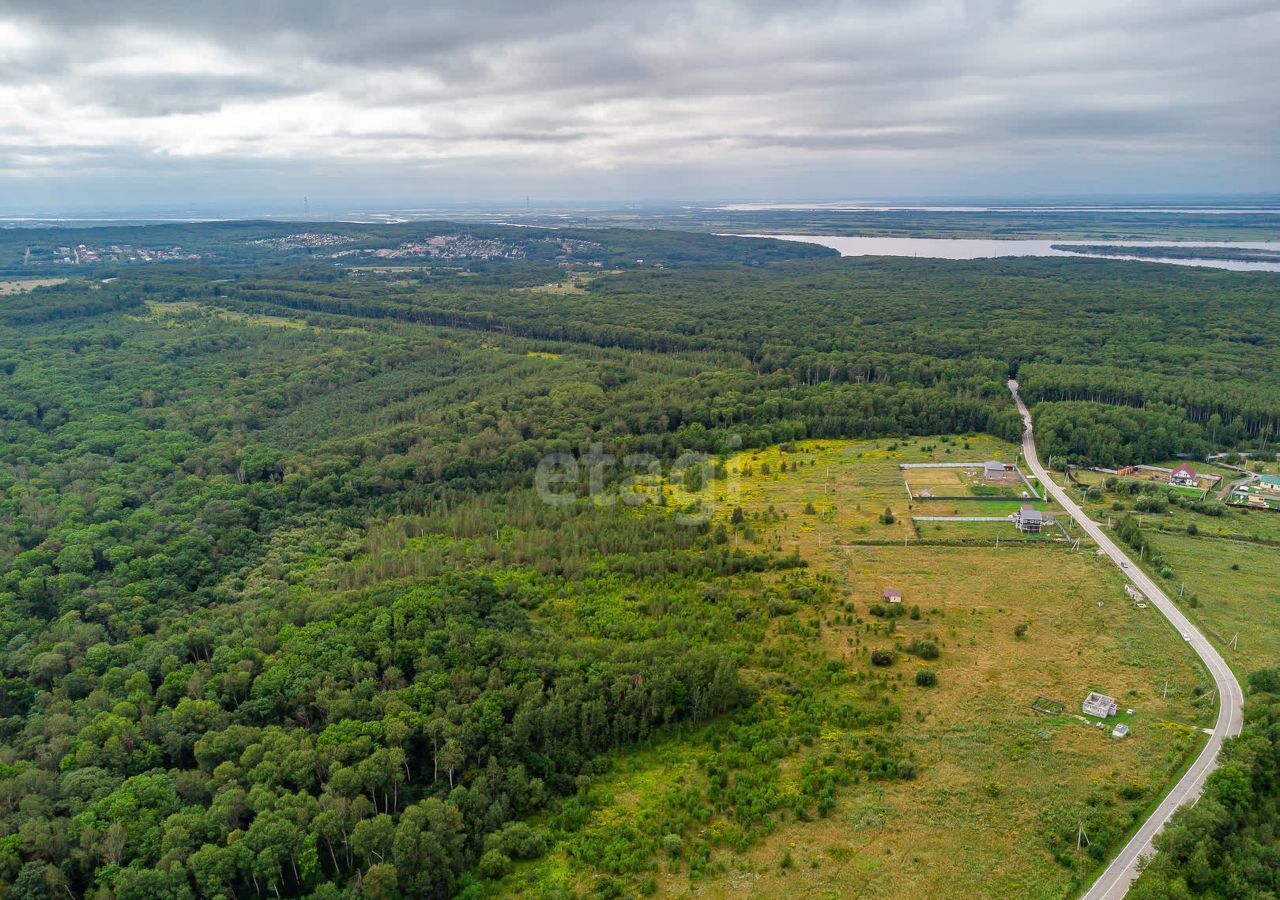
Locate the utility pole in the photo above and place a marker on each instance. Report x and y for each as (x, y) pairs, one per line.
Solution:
(1235, 641)
(1166, 690)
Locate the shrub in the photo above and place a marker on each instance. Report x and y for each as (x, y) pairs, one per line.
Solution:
(882, 657)
(925, 649)
(673, 844)
(926, 678)
(1192, 528)
(519, 841)
(1151, 503)
(494, 864)
(1265, 681)
(1020, 630)
(885, 611)
(886, 517)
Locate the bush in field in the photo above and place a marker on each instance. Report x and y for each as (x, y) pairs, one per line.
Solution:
(885, 610)
(673, 844)
(882, 657)
(926, 678)
(1150, 503)
(923, 648)
(1020, 630)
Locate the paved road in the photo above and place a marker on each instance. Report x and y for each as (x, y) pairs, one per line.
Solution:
(1115, 881)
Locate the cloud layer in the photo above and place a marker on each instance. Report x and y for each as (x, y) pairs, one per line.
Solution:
(489, 99)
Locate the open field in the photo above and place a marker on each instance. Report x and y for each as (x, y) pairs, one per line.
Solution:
(999, 785)
(929, 484)
(22, 285)
(996, 783)
(962, 530)
(817, 493)
(1237, 586)
(175, 308)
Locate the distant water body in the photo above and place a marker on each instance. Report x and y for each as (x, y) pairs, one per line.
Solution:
(983, 248)
(877, 207)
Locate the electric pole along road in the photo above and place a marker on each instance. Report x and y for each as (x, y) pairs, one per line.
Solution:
(1115, 880)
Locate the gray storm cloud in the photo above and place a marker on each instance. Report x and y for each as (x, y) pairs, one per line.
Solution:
(490, 99)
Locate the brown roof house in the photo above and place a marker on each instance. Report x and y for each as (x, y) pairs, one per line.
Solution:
(892, 595)
(1185, 476)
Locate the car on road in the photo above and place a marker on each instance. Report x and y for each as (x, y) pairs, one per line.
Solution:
(1124, 565)
(1186, 637)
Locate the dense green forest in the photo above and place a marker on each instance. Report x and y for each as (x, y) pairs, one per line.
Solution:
(281, 614)
(1226, 845)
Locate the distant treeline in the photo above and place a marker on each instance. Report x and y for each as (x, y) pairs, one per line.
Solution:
(1243, 254)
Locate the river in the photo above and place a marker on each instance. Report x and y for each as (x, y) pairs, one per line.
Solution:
(984, 248)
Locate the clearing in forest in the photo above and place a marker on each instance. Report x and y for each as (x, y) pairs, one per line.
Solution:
(22, 285)
(980, 632)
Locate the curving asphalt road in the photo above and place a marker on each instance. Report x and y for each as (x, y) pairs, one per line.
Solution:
(1115, 880)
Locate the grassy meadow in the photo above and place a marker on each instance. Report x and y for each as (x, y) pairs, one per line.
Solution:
(811, 494)
(1236, 585)
(23, 285)
(991, 782)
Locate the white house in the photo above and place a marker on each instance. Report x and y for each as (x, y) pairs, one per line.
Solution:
(1185, 476)
(1099, 705)
(1120, 730)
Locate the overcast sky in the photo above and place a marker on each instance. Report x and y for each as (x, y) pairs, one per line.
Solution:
(259, 103)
